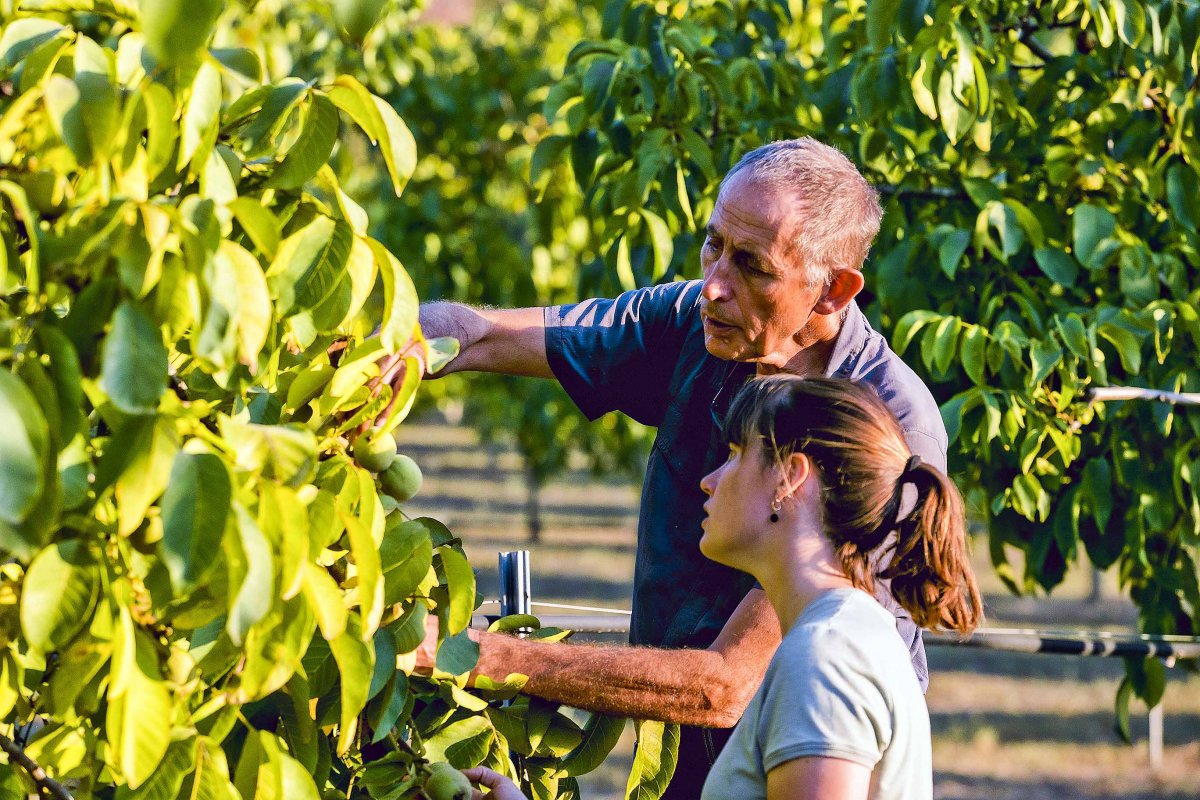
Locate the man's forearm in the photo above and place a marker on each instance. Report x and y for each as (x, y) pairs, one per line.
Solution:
(508, 341)
(689, 687)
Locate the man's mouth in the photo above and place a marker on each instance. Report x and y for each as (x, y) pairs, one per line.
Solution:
(716, 323)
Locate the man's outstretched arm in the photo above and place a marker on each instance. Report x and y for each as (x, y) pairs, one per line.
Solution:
(691, 687)
(508, 341)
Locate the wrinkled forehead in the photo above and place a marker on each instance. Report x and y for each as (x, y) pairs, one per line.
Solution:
(748, 202)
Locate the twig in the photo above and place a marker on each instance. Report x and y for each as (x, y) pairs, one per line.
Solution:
(1035, 47)
(932, 192)
(44, 781)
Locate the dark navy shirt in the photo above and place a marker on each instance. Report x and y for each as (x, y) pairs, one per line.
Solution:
(643, 354)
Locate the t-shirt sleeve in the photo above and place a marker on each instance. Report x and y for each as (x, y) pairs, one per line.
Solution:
(619, 354)
(816, 706)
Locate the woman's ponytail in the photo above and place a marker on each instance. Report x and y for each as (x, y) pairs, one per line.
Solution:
(930, 567)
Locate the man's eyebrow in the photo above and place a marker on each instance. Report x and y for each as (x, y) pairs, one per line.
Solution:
(755, 259)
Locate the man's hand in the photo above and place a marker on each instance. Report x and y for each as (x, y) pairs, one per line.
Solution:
(500, 787)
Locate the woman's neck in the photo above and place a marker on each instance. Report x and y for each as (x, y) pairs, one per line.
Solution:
(803, 568)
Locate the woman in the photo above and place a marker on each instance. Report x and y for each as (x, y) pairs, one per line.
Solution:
(813, 501)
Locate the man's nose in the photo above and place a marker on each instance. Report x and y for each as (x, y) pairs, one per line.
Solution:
(715, 286)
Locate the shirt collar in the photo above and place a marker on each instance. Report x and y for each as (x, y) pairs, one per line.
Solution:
(850, 342)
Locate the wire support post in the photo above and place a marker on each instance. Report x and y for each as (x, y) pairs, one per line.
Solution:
(515, 597)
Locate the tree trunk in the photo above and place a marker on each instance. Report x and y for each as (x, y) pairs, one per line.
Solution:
(533, 504)
(1096, 594)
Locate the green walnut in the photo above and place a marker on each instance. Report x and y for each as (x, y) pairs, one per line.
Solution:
(357, 17)
(446, 783)
(402, 480)
(375, 453)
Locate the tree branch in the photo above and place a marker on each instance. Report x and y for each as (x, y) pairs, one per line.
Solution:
(1035, 47)
(931, 193)
(17, 756)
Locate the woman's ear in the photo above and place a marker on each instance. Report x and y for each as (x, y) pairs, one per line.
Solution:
(797, 469)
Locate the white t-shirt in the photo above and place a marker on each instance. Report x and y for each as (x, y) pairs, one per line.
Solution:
(841, 685)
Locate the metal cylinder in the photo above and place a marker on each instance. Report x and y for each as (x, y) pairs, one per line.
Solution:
(514, 583)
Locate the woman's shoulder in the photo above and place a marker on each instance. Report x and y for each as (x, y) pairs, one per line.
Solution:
(840, 627)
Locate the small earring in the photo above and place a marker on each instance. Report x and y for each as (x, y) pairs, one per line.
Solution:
(776, 504)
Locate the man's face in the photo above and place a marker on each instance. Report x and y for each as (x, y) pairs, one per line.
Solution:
(754, 298)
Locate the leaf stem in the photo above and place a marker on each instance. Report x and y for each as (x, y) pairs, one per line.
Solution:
(17, 756)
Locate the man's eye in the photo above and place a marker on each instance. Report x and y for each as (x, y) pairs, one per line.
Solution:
(711, 244)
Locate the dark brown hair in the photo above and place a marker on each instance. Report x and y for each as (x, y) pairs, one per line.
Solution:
(861, 460)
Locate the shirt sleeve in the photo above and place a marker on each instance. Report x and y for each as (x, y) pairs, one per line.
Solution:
(818, 706)
(619, 354)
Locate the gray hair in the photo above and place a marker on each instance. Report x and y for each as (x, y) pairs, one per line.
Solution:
(837, 212)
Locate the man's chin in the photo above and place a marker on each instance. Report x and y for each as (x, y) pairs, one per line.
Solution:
(724, 349)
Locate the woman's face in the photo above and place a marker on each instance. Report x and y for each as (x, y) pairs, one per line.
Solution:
(738, 508)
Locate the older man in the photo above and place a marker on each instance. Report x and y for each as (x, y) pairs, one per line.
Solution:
(781, 261)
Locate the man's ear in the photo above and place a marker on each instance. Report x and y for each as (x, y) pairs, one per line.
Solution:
(842, 289)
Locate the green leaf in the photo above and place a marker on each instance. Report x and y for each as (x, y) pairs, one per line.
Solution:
(951, 250)
(1121, 710)
(195, 509)
(134, 370)
(974, 353)
(210, 779)
(161, 131)
(259, 224)
(1183, 189)
(24, 448)
(201, 117)
(177, 31)
(140, 706)
(600, 735)
(67, 375)
(1074, 335)
(399, 300)
(1092, 224)
(654, 760)
(58, 595)
(256, 594)
(98, 99)
(463, 743)
(23, 36)
(167, 780)
(312, 149)
(66, 116)
(1058, 266)
(881, 20)
(405, 557)
(356, 662)
(370, 579)
(384, 643)
(545, 155)
(281, 777)
(252, 314)
(274, 649)
(280, 102)
(460, 580)
(1044, 356)
(381, 124)
(1128, 347)
(309, 264)
(923, 83)
(660, 242)
(458, 654)
(397, 145)
(1097, 485)
(385, 710)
